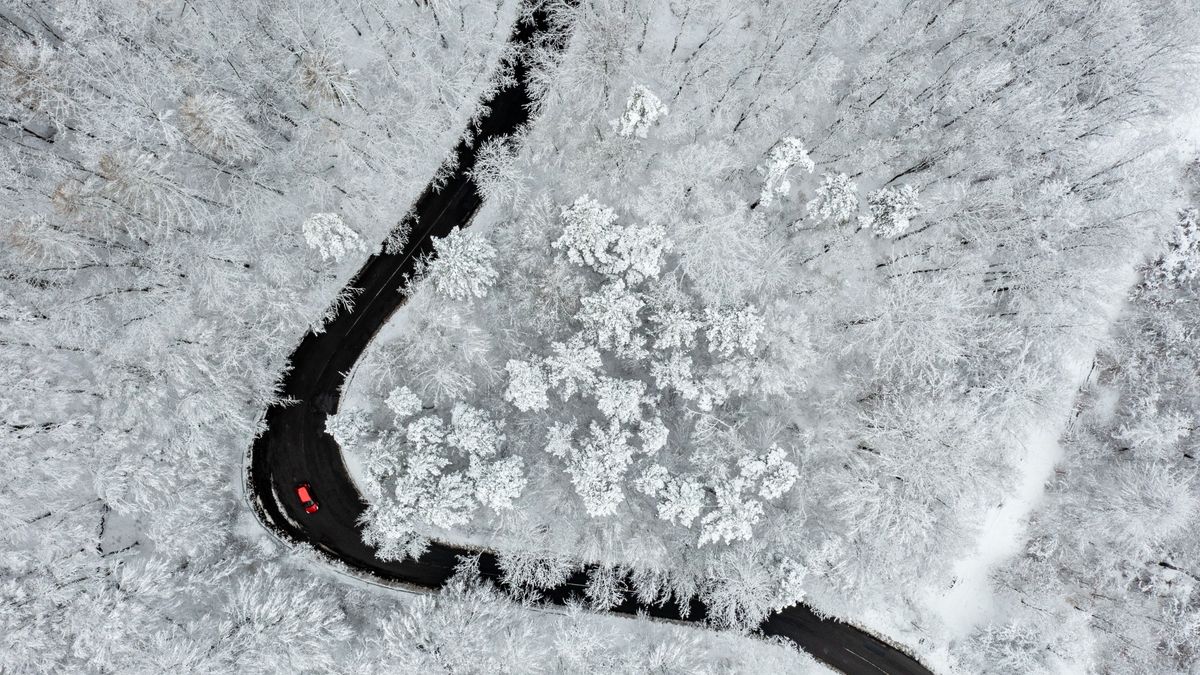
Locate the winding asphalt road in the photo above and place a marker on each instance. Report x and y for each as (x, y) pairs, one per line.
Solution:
(294, 448)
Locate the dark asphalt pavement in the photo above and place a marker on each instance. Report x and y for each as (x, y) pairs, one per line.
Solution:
(294, 448)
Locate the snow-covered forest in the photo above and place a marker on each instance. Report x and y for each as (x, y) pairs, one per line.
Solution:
(884, 307)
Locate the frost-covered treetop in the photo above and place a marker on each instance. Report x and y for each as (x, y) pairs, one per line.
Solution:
(780, 160)
(331, 236)
(403, 402)
(1181, 262)
(526, 386)
(462, 265)
(732, 330)
(496, 171)
(642, 110)
(836, 199)
(891, 210)
(592, 237)
(589, 232)
(215, 125)
(325, 78)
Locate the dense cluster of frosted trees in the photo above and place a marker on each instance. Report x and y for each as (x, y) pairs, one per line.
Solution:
(838, 253)
(642, 355)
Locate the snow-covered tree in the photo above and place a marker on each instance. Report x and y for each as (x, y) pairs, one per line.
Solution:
(455, 631)
(642, 111)
(652, 480)
(526, 386)
(592, 237)
(676, 373)
(1151, 502)
(734, 518)
(1008, 648)
(323, 75)
(773, 472)
(497, 173)
(891, 210)
(598, 466)
(620, 400)
(474, 432)
(403, 402)
(681, 500)
(781, 159)
(534, 569)
(462, 266)
(572, 366)
(589, 234)
(731, 331)
(215, 125)
(640, 250)
(675, 327)
(559, 439)
(654, 434)
(36, 75)
(329, 234)
(836, 199)
(610, 317)
(499, 483)
(1181, 263)
(146, 187)
(740, 497)
(349, 427)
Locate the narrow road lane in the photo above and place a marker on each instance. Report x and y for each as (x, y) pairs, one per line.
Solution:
(294, 448)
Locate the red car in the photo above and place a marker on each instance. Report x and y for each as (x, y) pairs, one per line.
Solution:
(304, 492)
